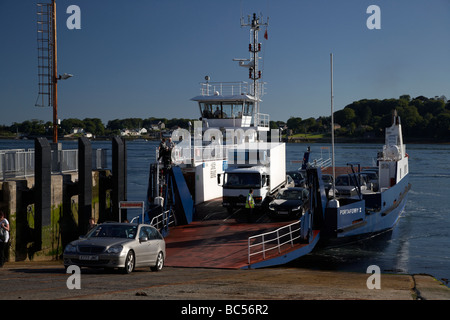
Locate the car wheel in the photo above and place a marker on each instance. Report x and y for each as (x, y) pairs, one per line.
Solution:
(129, 262)
(159, 262)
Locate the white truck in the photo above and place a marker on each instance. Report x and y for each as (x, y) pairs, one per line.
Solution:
(261, 167)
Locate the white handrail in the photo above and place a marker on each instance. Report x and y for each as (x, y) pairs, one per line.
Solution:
(273, 236)
(160, 220)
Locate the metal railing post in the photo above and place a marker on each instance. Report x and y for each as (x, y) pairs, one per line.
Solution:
(249, 250)
(290, 233)
(278, 241)
(264, 247)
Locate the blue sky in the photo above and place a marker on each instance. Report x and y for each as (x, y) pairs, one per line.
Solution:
(146, 58)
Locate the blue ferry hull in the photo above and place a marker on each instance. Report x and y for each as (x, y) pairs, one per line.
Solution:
(366, 220)
(352, 221)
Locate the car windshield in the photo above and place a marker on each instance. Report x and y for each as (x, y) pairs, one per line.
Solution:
(293, 194)
(342, 181)
(125, 231)
(295, 175)
(371, 175)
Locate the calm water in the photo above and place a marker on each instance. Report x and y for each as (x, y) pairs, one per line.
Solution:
(418, 244)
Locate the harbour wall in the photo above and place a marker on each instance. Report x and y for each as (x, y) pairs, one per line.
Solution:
(47, 211)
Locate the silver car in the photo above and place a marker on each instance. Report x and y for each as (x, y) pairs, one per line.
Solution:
(118, 245)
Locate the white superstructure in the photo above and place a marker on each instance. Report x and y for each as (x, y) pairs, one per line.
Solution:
(230, 118)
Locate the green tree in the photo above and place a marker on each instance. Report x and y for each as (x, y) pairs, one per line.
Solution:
(345, 116)
(294, 123)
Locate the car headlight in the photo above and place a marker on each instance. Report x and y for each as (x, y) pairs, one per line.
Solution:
(70, 248)
(115, 249)
(297, 208)
(271, 207)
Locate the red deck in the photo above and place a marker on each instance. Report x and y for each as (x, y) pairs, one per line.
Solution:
(213, 244)
(220, 240)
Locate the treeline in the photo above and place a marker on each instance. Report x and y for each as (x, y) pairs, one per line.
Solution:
(422, 118)
(92, 125)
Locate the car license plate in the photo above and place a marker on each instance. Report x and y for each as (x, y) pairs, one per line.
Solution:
(283, 212)
(89, 258)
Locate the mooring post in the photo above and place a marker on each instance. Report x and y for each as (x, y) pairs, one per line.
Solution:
(42, 189)
(118, 175)
(84, 184)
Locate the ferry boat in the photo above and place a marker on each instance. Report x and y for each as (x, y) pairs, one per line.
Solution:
(372, 208)
(186, 194)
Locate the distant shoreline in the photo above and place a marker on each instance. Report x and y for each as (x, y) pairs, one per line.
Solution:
(365, 140)
(290, 140)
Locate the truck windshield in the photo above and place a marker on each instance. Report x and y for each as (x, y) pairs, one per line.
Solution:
(242, 180)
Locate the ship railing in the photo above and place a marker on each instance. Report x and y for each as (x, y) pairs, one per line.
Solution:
(262, 245)
(19, 163)
(164, 219)
(321, 163)
(230, 88)
(263, 120)
(224, 88)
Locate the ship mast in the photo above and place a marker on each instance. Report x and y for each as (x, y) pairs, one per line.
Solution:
(254, 48)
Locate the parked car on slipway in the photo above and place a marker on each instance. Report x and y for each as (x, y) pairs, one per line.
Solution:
(118, 245)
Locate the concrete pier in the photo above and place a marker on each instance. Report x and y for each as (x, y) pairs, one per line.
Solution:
(46, 211)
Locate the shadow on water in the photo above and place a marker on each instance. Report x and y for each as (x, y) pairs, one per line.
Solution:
(353, 256)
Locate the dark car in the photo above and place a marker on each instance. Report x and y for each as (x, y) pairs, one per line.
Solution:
(347, 184)
(327, 182)
(298, 177)
(289, 203)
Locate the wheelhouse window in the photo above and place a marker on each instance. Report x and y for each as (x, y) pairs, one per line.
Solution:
(225, 110)
(248, 108)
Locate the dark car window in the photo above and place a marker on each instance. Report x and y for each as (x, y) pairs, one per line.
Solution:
(149, 232)
(145, 233)
(293, 194)
(342, 181)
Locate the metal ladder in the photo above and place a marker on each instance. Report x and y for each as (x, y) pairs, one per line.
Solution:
(45, 64)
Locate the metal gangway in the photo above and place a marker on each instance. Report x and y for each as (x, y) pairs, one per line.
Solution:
(19, 163)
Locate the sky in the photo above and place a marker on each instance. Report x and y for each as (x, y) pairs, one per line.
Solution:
(147, 58)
